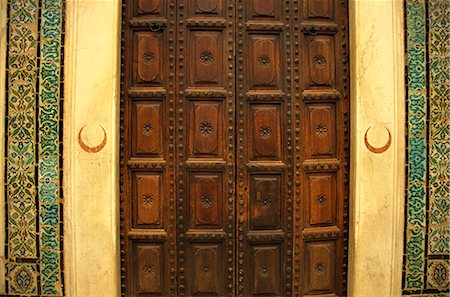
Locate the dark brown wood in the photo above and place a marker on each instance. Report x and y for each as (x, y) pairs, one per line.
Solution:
(234, 148)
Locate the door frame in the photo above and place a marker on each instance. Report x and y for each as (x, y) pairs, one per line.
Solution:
(92, 92)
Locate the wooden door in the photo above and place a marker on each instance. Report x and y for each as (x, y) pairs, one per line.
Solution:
(234, 148)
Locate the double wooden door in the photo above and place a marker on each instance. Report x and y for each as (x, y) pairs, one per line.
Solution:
(234, 147)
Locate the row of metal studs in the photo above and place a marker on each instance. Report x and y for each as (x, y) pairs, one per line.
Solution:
(298, 90)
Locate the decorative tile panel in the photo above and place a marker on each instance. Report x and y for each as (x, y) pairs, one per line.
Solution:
(33, 160)
(427, 230)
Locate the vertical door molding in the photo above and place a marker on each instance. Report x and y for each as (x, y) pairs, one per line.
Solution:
(378, 167)
(91, 134)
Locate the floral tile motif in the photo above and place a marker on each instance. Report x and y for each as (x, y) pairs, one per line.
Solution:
(427, 234)
(23, 279)
(438, 275)
(33, 148)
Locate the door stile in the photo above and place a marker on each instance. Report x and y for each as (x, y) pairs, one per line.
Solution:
(147, 149)
(205, 148)
(265, 148)
(323, 161)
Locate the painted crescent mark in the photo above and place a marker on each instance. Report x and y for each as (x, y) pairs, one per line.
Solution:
(92, 149)
(377, 150)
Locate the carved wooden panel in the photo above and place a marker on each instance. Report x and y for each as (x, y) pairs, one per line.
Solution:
(322, 199)
(234, 148)
(148, 208)
(206, 129)
(322, 130)
(318, 9)
(320, 262)
(149, 268)
(205, 58)
(150, 7)
(265, 270)
(265, 202)
(265, 62)
(148, 128)
(265, 125)
(264, 9)
(206, 201)
(205, 270)
(148, 59)
(206, 8)
(320, 62)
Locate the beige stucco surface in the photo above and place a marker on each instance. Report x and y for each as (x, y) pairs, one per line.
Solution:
(92, 77)
(91, 245)
(377, 180)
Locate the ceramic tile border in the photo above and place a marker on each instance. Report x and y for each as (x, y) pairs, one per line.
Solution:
(3, 37)
(33, 176)
(427, 246)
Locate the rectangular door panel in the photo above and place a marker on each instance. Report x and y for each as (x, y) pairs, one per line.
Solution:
(206, 8)
(205, 58)
(205, 269)
(266, 211)
(149, 8)
(148, 262)
(265, 126)
(206, 129)
(147, 205)
(148, 58)
(265, 61)
(206, 200)
(148, 128)
(265, 269)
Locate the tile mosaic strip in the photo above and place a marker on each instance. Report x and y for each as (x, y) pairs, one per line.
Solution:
(416, 188)
(33, 148)
(427, 235)
(21, 155)
(48, 147)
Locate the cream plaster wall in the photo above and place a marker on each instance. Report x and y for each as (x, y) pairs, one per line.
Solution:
(377, 180)
(91, 225)
(3, 34)
(91, 179)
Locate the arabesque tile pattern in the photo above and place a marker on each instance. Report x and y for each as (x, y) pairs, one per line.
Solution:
(33, 161)
(427, 235)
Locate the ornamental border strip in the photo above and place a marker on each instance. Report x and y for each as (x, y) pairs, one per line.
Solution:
(33, 148)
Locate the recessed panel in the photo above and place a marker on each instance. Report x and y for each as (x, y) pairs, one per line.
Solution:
(147, 128)
(206, 8)
(205, 58)
(265, 270)
(148, 208)
(147, 60)
(320, 62)
(205, 270)
(150, 7)
(205, 201)
(265, 202)
(322, 199)
(318, 9)
(264, 62)
(264, 9)
(206, 129)
(320, 267)
(322, 131)
(148, 262)
(265, 128)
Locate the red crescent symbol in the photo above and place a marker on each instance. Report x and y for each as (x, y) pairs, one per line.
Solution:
(377, 150)
(92, 149)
